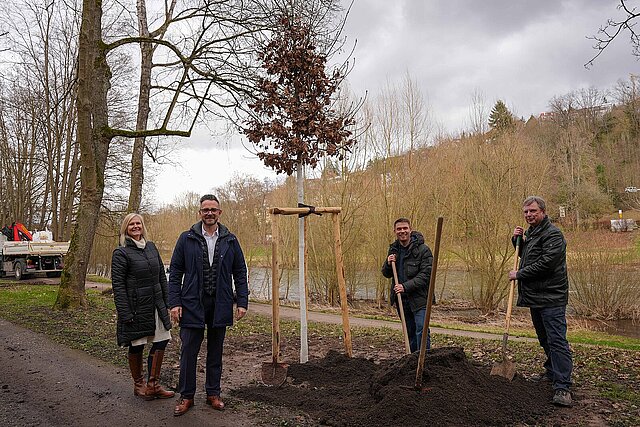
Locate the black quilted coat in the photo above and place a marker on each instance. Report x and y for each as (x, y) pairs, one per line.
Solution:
(139, 289)
(542, 277)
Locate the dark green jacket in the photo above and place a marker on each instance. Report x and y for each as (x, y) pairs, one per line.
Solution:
(542, 276)
(417, 270)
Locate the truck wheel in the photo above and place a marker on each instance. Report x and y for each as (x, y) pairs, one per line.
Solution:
(54, 273)
(18, 270)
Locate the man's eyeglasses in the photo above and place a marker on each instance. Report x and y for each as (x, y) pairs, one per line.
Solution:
(209, 210)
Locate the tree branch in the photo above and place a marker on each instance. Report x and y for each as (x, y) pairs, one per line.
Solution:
(612, 29)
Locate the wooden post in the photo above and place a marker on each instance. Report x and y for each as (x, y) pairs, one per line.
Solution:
(339, 270)
(427, 315)
(296, 211)
(342, 285)
(275, 291)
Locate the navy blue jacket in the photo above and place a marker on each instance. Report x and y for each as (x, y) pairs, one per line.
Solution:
(186, 278)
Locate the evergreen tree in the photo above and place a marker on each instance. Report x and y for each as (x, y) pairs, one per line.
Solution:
(501, 120)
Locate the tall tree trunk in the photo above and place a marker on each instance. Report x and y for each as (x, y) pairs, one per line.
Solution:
(137, 155)
(93, 138)
(144, 94)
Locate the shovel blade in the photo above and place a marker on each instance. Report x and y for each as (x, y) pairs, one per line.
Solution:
(274, 374)
(506, 369)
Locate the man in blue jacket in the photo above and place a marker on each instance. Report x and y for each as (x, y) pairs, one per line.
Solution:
(205, 260)
(543, 286)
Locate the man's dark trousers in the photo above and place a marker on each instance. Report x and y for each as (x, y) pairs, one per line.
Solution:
(191, 341)
(414, 324)
(551, 327)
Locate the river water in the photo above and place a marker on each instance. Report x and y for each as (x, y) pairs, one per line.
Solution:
(450, 283)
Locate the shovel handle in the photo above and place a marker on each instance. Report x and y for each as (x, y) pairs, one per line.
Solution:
(405, 334)
(512, 286)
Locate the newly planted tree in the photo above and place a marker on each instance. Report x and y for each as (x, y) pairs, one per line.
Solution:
(294, 123)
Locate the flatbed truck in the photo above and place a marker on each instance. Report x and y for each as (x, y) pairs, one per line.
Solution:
(24, 258)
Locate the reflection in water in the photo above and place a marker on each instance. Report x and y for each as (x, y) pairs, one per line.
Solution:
(625, 327)
(455, 283)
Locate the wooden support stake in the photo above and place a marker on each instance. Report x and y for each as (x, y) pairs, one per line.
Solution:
(275, 291)
(427, 315)
(342, 285)
(298, 211)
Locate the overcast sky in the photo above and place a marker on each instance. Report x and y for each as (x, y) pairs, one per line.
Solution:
(523, 52)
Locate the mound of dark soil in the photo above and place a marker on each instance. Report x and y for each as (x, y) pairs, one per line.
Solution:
(342, 391)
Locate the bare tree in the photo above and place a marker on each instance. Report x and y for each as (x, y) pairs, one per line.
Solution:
(41, 89)
(614, 27)
(478, 113)
(147, 50)
(203, 66)
(579, 116)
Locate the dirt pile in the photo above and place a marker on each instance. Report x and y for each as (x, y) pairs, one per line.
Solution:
(339, 391)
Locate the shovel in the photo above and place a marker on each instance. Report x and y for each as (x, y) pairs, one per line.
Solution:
(405, 334)
(507, 368)
(274, 373)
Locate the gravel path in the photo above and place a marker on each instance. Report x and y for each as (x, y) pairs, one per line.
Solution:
(314, 316)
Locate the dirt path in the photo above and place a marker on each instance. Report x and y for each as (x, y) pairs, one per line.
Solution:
(46, 384)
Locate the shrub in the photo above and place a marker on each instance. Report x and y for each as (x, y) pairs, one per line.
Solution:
(603, 285)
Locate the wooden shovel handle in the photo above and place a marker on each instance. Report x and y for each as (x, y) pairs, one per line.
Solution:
(512, 286)
(405, 334)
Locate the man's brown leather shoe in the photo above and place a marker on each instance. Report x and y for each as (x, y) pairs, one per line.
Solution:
(182, 407)
(216, 402)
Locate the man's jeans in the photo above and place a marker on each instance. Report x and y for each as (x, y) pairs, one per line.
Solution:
(415, 323)
(551, 327)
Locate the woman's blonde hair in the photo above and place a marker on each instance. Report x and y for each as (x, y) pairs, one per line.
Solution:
(123, 227)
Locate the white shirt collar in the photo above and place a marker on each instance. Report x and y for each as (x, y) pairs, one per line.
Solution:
(215, 233)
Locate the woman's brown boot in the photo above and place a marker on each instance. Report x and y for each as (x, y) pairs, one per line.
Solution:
(135, 364)
(154, 391)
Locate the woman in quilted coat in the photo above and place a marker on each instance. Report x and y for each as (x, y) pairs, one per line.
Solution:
(140, 293)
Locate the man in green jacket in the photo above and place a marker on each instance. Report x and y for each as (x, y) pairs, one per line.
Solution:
(543, 286)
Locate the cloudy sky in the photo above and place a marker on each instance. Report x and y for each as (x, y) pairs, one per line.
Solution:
(523, 52)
